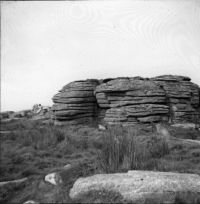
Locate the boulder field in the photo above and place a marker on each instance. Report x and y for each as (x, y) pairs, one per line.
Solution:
(128, 100)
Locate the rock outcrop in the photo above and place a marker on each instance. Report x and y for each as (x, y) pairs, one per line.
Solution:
(128, 100)
(140, 186)
(42, 113)
(38, 112)
(75, 103)
(182, 97)
(132, 100)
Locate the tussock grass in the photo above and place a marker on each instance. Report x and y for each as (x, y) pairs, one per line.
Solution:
(121, 150)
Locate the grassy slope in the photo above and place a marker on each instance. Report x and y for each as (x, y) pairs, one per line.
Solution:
(33, 150)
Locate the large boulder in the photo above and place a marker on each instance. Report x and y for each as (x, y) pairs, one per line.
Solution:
(132, 100)
(140, 186)
(182, 96)
(125, 100)
(75, 103)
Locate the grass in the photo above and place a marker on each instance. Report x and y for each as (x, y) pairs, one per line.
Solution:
(122, 151)
(101, 197)
(32, 149)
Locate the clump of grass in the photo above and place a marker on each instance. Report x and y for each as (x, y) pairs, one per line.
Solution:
(158, 146)
(121, 151)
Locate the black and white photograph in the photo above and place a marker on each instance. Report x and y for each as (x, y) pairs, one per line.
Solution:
(100, 101)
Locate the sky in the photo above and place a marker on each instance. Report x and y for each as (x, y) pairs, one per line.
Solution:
(45, 45)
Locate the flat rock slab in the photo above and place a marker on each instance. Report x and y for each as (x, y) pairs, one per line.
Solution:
(184, 125)
(18, 181)
(139, 186)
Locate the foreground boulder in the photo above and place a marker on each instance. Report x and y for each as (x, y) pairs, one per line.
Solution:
(140, 186)
(129, 100)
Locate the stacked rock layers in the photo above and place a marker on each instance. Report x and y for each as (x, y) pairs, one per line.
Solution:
(132, 100)
(75, 103)
(128, 100)
(182, 96)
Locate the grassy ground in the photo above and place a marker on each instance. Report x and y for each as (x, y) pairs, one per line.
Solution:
(32, 149)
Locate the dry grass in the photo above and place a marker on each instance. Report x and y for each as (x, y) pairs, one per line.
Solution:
(33, 149)
(122, 151)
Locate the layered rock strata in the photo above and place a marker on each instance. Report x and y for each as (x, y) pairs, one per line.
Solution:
(182, 96)
(132, 100)
(75, 102)
(128, 100)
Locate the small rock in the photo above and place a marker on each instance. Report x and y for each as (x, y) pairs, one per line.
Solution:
(53, 178)
(68, 166)
(101, 127)
(31, 202)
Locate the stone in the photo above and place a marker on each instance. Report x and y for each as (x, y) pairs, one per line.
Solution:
(67, 166)
(15, 182)
(30, 202)
(120, 85)
(128, 100)
(101, 127)
(53, 178)
(139, 186)
(132, 100)
(182, 96)
(76, 100)
(172, 78)
(143, 113)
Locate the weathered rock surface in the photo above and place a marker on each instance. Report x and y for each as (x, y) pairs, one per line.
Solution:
(140, 186)
(129, 100)
(182, 97)
(53, 178)
(75, 103)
